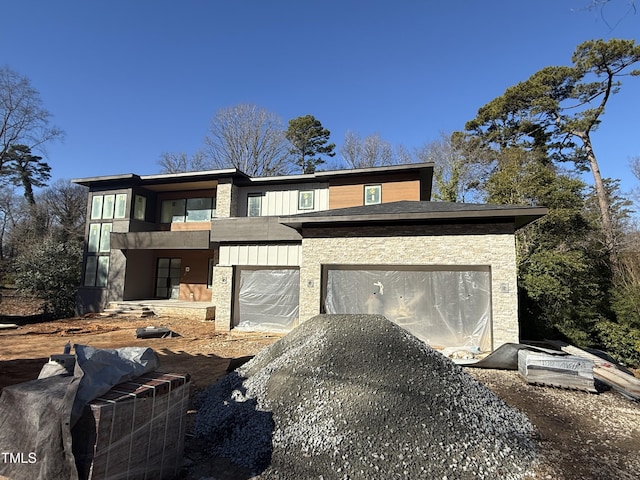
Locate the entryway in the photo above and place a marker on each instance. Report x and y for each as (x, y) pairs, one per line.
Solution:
(168, 278)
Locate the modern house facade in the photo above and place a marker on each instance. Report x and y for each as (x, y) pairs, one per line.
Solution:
(270, 252)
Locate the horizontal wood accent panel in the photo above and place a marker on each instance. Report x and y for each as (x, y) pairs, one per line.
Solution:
(190, 226)
(343, 196)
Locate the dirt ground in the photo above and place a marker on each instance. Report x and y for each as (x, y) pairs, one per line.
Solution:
(581, 435)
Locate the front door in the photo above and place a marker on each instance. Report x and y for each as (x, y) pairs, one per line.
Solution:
(168, 278)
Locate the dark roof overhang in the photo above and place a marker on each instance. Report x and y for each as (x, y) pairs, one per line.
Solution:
(407, 212)
(165, 181)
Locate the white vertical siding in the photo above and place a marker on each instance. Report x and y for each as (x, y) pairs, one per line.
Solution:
(258, 255)
(283, 199)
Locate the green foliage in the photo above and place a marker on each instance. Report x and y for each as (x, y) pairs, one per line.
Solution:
(51, 271)
(23, 168)
(562, 275)
(309, 140)
(555, 111)
(622, 342)
(563, 294)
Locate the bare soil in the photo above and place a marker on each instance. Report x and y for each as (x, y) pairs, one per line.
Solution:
(581, 435)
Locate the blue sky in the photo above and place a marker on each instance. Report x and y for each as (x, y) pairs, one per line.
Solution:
(128, 80)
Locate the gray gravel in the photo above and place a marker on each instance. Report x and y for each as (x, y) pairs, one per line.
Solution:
(355, 396)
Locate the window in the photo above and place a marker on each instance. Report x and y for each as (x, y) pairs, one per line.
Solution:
(305, 200)
(103, 207)
(96, 207)
(372, 194)
(121, 206)
(96, 271)
(172, 211)
(199, 209)
(99, 237)
(140, 207)
(105, 237)
(108, 206)
(254, 205)
(187, 210)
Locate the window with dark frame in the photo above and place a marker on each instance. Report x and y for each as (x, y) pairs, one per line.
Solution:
(200, 209)
(254, 204)
(305, 200)
(372, 194)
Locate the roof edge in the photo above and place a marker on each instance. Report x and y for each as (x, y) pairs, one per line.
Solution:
(522, 216)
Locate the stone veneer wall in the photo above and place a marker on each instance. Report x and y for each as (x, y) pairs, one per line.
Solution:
(224, 200)
(221, 296)
(496, 250)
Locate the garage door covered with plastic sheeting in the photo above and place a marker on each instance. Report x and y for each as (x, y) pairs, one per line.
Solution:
(267, 299)
(443, 307)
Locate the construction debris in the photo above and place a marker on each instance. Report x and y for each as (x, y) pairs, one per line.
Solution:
(608, 372)
(564, 371)
(155, 332)
(356, 396)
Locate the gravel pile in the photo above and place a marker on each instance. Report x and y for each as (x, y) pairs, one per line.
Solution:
(355, 396)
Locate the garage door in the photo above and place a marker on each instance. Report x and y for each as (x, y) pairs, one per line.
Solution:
(443, 307)
(266, 299)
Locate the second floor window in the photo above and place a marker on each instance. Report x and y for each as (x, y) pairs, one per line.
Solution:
(140, 207)
(254, 205)
(108, 206)
(372, 194)
(188, 210)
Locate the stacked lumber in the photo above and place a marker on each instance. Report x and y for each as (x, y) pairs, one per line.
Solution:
(608, 373)
(563, 371)
(136, 430)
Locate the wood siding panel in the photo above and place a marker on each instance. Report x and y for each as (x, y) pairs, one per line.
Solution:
(190, 226)
(343, 196)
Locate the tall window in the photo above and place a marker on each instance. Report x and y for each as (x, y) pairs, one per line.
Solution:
(140, 207)
(254, 205)
(103, 207)
(97, 271)
(200, 209)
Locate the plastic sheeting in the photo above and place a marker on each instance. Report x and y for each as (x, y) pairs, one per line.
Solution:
(268, 299)
(443, 308)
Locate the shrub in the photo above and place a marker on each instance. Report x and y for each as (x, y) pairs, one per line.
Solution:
(622, 342)
(51, 271)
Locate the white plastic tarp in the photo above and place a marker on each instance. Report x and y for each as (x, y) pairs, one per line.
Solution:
(268, 299)
(444, 308)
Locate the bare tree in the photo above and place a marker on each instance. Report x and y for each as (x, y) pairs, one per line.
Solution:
(248, 138)
(66, 203)
(23, 120)
(180, 162)
(460, 165)
(622, 9)
(372, 151)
